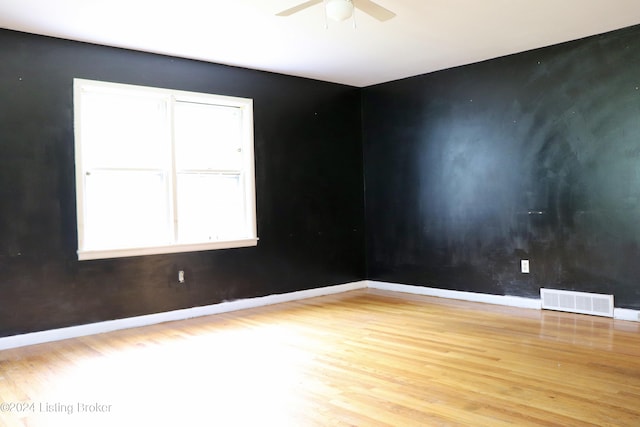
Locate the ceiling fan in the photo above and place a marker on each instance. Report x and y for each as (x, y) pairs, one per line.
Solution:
(340, 10)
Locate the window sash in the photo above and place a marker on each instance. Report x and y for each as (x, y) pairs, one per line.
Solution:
(138, 200)
(213, 195)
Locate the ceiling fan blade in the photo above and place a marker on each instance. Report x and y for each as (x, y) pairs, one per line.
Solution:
(298, 8)
(374, 9)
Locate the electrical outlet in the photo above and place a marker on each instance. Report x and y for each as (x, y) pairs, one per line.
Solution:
(524, 265)
(181, 276)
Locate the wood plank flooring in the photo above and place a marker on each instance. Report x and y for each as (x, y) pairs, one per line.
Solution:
(361, 358)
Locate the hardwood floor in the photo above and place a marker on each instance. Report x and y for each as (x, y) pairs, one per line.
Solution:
(361, 358)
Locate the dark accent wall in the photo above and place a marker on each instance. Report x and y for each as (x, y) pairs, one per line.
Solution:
(466, 171)
(309, 177)
(531, 156)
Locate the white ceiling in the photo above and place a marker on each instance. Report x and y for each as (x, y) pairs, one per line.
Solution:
(425, 36)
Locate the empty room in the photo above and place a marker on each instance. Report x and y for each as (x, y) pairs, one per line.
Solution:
(319, 213)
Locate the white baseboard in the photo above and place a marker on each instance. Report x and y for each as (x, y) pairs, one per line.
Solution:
(187, 313)
(534, 303)
(626, 314)
(228, 306)
(461, 295)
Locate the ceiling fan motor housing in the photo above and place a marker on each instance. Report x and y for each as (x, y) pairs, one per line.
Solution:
(339, 10)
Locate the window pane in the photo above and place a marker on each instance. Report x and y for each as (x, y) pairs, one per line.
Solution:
(126, 209)
(207, 137)
(210, 208)
(124, 131)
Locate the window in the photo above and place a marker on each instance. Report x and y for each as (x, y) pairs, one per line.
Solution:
(161, 171)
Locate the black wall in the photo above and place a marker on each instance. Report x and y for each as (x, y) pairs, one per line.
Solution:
(467, 171)
(532, 156)
(308, 176)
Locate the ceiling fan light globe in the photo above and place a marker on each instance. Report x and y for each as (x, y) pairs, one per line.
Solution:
(339, 10)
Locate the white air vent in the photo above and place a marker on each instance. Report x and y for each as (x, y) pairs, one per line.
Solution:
(577, 302)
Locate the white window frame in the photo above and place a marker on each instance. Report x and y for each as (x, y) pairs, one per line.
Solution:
(247, 179)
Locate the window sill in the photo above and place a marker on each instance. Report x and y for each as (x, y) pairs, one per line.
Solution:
(170, 249)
